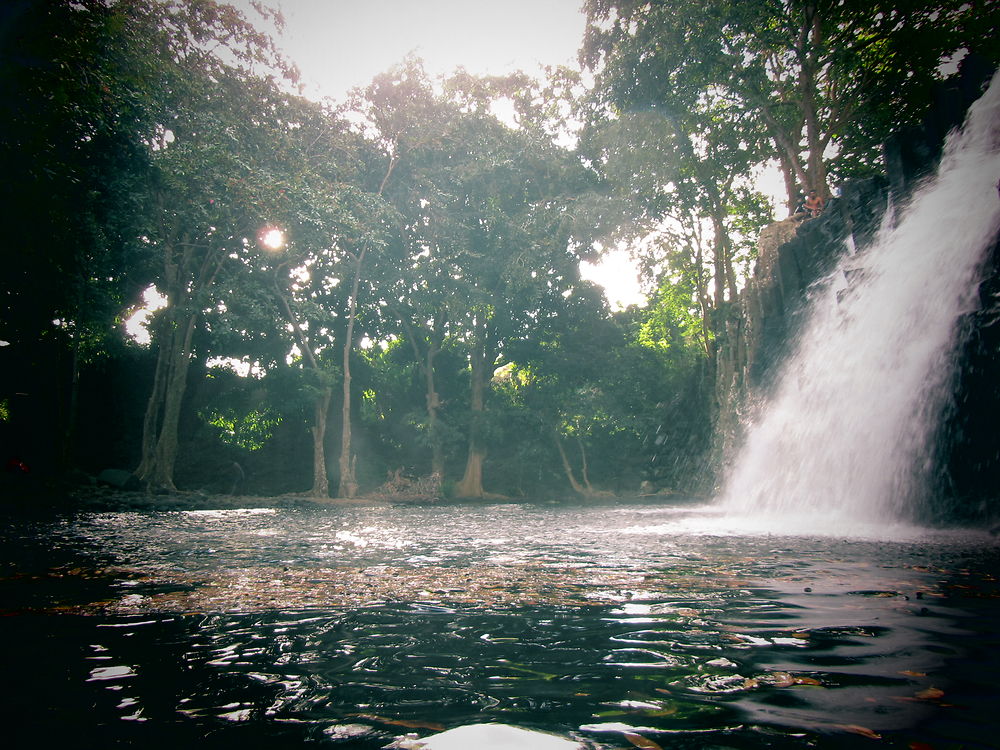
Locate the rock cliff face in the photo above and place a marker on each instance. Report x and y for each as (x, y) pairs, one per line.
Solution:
(793, 255)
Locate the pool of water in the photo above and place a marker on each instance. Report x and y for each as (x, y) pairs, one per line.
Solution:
(612, 625)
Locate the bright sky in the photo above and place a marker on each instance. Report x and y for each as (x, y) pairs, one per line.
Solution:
(340, 44)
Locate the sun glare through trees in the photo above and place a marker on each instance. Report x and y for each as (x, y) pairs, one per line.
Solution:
(272, 238)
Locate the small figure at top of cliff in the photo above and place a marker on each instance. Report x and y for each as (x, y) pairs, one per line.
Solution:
(813, 204)
(799, 212)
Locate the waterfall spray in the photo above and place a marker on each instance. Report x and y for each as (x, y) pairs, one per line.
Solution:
(846, 438)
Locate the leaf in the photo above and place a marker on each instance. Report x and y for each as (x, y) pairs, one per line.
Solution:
(863, 731)
(644, 742)
(408, 723)
(799, 680)
(931, 693)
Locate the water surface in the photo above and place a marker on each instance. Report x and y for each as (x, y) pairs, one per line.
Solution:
(353, 627)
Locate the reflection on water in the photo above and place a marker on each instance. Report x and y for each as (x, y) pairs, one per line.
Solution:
(355, 627)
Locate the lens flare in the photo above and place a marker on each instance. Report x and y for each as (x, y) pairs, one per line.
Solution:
(272, 238)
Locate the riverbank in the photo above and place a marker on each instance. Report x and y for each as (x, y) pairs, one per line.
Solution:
(36, 496)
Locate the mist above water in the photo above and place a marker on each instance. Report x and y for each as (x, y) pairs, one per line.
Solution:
(845, 440)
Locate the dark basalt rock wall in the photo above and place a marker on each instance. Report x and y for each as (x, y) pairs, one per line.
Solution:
(971, 435)
(793, 255)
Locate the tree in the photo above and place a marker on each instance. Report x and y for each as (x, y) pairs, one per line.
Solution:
(399, 122)
(559, 377)
(69, 142)
(518, 260)
(485, 232)
(331, 221)
(202, 193)
(813, 75)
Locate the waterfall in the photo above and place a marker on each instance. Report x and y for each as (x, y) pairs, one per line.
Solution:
(845, 440)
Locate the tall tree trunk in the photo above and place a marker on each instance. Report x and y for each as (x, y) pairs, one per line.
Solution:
(471, 484)
(188, 281)
(567, 467)
(154, 408)
(433, 404)
(811, 38)
(348, 486)
(321, 408)
(425, 360)
(164, 407)
(725, 277)
(791, 186)
(584, 468)
(704, 301)
(321, 482)
(348, 480)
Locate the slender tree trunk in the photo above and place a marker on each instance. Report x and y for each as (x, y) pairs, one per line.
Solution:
(791, 186)
(321, 482)
(425, 360)
(321, 408)
(154, 408)
(471, 484)
(704, 302)
(348, 480)
(434, 345)
(433, 404)
(725, 277)
(174, 359)
(348, 485)
(567, 467)
(719, 275)
(811, 38)
(584, 468)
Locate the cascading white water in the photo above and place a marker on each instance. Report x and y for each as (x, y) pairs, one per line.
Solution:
(845, 442)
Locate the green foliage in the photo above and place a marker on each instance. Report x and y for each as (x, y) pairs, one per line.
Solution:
(795, 77)
(249, 431)
(672, 324)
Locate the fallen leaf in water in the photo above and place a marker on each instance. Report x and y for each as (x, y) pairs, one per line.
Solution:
(911, 673)
(863, 731)
(931, 693)
(787, 679)
(639, 741)
(408, 723)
